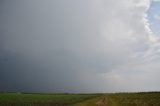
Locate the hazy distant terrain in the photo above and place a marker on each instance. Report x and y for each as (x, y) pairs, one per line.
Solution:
(117, 99)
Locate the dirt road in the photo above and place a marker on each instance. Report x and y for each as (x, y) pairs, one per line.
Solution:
(102, 102)
(99, 101)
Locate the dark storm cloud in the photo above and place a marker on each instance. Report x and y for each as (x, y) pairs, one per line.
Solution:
(47, 45)
(70, 45)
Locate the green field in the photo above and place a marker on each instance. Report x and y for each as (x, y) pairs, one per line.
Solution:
(117, 99)
(134, 99)
(124, 99)
(21, 99)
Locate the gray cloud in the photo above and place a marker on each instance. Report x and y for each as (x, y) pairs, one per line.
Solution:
(76, 46)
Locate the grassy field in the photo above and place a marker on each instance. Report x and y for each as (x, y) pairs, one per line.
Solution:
(97, 101)
(117, 99)
(134, 99)
(124, 99)
(20, 99)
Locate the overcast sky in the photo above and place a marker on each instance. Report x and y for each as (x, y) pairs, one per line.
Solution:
(79, 45)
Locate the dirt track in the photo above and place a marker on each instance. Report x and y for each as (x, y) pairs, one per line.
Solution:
(102, 102)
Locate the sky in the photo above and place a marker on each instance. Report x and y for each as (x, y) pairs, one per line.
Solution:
(79, 46)
(154, 17)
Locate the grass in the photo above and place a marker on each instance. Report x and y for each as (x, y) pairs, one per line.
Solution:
(134, 99)
(125, 99)
(92, 102)
(18, 99)
(117, 99)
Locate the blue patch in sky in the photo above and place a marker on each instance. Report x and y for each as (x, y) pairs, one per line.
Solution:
(154, 17)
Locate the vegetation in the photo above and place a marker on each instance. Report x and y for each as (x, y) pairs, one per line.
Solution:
(98, 101)
(117, 99)
(124, 99)
(21, 99)
(134, 99)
